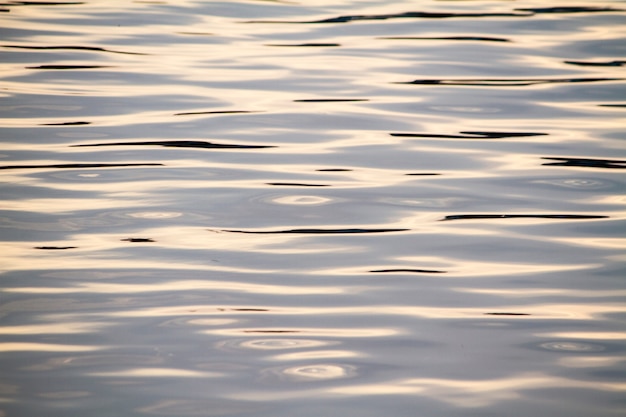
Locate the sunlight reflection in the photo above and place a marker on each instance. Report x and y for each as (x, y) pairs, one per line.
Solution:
(45, 347)
(586, 335)
(475, 393)
(182, 285)
(315, 354)
(544, 292)
(53, 328)
(590, 361)
(157, 373)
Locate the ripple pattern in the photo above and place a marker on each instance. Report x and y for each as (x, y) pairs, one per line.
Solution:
(316, 208)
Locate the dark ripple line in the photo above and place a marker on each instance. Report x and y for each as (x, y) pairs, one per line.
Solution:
(329, 100)
(407, 15)
(333, 170)
(423, 174)
(597, 64)
(180, 144)
(586, 162)
(506, 82)
(470, 135)
(77, 48)
(318, 231)
(55, 247)
(68, 67)
(66, 124)
(305, 45)
(215, 112)
(522, 216)
(41, 3)
(570, 9)
(138, 240)
(448, 38)
(419, 271)
(612, 105)
(77, 166)
(507, 314)
(271, 331)
(296, 184)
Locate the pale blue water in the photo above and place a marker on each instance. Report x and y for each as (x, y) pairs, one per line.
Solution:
(314, 208)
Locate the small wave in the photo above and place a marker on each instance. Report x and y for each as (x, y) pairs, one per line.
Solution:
(597, 64)
(417, 271)
(66, 124)
(448, 38)
(586, 162)
(470, 135)
(72, 48)
(406, 15)
(507, 82)
(318, 231)
(43, 3)
(507, 314)
(570, 9)
(76, 166)
(180, 144)
(422, 174)
(329, 100)
(296, 184)
(305, 45)
(55, 247)
(215, 112)
(522, 216)
(138, 240)
(333, 170)
(68, 67)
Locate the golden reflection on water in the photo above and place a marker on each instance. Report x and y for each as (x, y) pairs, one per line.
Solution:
(591, 361)
(305, 317)
(53, 328)
(543, 292)
(586, 335)
(316, 354)
(475, 393)
(45, 347)
(156, 373)
(180, 285)
(307, 332)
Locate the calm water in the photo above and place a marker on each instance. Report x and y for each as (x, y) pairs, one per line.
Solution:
(313, 208)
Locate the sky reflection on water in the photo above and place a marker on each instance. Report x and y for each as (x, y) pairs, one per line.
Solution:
(261, 208)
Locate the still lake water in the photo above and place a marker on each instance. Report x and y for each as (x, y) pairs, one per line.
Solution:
(313, 208)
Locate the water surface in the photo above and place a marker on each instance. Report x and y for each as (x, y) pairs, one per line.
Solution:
(283, 208)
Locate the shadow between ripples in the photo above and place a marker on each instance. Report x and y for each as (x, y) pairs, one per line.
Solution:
(522, 216)
(179, 144)
(407, 15)
(41, 3)
(69, 67)
(586, 162)
(447, 38)
(597, 64)
(405, 270)
(77, 166)
(506, 82)
(470, 135)
(72, 48)
(570, 9)
(317, 231)
(66, 124)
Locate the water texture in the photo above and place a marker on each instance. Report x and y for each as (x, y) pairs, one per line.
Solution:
(312, 208)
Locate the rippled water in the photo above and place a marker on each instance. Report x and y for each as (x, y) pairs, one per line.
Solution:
(312, 208)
